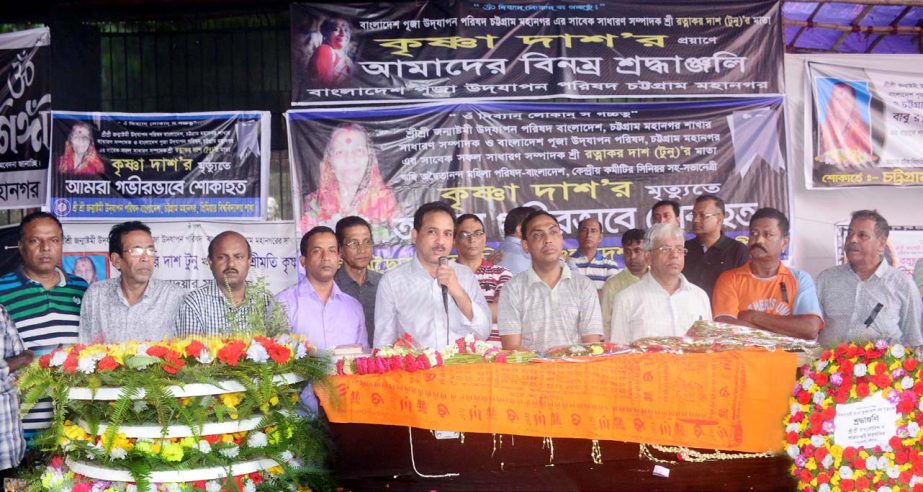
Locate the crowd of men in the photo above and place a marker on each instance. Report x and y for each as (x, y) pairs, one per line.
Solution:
(527, 295)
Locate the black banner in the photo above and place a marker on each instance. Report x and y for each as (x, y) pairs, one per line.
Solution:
(25, 105)
(148, 166)
(609, 161)
(417, 51)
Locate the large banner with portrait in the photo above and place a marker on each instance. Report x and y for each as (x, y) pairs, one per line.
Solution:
(182, 251)
(159, 166)
(347, 53)
(25, 103)
(608, 161)
(866, 126)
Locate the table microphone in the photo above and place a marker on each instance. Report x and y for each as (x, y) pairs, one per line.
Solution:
(444, 260)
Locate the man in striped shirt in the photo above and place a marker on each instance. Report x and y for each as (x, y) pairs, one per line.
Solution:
(588, 260)
(43, 301)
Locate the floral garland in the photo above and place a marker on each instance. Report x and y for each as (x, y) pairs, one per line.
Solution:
(848, 374)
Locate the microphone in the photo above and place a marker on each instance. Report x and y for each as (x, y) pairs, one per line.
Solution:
(444, 260)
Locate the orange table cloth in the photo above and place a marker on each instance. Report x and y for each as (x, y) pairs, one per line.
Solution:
(731, 400)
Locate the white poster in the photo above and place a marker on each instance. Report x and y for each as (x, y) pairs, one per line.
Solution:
(182, 251)
(869, 423)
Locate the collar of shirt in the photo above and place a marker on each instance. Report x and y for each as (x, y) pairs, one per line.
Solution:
(578, 255)
(782, 272)
(371, 277)
(721, 244)
(62, 278)
(683, 283)
(116, 288)
(306, 288)
(565, 274)
(212, 290)
(879, 272)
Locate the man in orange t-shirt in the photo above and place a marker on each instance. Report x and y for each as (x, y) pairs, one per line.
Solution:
(764, 293)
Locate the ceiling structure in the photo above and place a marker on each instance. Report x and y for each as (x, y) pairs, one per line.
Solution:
(853, 26)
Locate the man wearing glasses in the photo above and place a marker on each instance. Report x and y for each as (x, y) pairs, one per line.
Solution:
(470, 240)
(354, 236)
(663, 303)
(132, 306)
(548, 305)
(711, 252)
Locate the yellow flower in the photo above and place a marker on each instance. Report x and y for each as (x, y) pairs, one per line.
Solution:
(276, 470)
(144, 447)
(227, 438)
(274, 401)
(75, 433)
(172, 452)
(121, 441)
(188, 442)
(230, 400)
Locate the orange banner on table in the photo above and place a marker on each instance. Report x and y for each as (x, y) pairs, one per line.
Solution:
(724, 400)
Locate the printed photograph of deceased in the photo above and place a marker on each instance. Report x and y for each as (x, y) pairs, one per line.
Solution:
(325, 51)
(80, 156)
(844, 135)
(91, 267)
(348, 181)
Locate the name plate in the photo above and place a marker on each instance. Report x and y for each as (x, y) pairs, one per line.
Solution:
(868, 423)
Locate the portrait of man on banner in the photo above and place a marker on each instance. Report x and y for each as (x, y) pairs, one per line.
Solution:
(80, 156)
(327, 51)
(843, 115)
(349, 182)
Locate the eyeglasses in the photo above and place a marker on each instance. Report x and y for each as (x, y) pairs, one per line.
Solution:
(467, 236)
(696, 215)
(357, 245)
(139, 250)
(666, 250)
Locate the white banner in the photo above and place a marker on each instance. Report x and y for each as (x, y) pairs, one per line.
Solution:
(182, 251)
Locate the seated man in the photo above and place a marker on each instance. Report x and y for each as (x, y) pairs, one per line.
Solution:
(867, 299)
(132, 306)
(470, 240)
(227, 304)
(588, 260)
(663, 303)
(665, 211)
(711, 252)
(764, 293)
(316, 307)
(430, 298)
(510, 254)
(636, 266)
(548, 305)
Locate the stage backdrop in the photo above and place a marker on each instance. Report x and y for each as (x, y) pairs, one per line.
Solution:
(608, 161)
(348, 53)
(182, 251)
(153, 166)
(25, 100)
(866, 124)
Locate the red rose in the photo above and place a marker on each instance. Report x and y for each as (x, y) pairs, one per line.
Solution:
(910, 364)
(862, 483)
(231, 353)
(806, 476)
(198, 485)
(879, 368)
(820, 379)
(157, 351)
(846, 485)
(852, 351)
(194, 348)
(423, 362)
(905, 477)
(918, 487)
(862, 389)
(823, 478)
(108, 363)
(410, 365)
(278, 353)
(820, 454)
(791, 437)
(45, 360)
(172, 363)
(70, 363)
(849, 453)
(804, 397)
(256, 478)
(81, 487)
(796, 418)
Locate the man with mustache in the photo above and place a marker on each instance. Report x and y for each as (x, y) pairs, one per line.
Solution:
(663, 303)
(548, 305)
(711, 252)
(436, 302)
(764, 293)
(354, 238)
(315, 306)
(133, 306)
(868, 299)
(223, 306)
(665, 211)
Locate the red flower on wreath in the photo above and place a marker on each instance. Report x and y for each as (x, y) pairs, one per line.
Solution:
(195, 348)
(45, 360)
(70, 363)
(108, 363)
(278, 353)
(172, 363)
(231, 353)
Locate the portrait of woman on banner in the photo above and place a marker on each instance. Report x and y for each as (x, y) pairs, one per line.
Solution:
(330, 65)
(80, 156)
(350, 183)
(844, 132)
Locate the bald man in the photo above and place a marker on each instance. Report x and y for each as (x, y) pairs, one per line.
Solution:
(222, 306)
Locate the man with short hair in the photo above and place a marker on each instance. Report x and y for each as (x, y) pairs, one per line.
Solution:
(548, 305)
(764, 293)
(133, 306)
(354, 238)
(430, 298)
(663, 303)
(711, 253)
(665, 212)
(226, 304)
(588, 260)
(636, 265)
(511, 254)
(867, 299)
(470, 240)
(42, 300)
(316, 307)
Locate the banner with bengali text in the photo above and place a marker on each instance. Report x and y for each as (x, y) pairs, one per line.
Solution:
(25, 105)
(348, 53)
(182, 251)
(607, 161)
(723, 400)
(159, 166)
(866, 126)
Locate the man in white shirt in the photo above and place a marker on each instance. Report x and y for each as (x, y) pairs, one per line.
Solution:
(663, 302)
(436, 302)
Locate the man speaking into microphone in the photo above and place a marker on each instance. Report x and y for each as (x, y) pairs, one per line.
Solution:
(428, 297)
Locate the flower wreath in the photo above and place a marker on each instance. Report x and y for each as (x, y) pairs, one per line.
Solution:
(848, 374)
